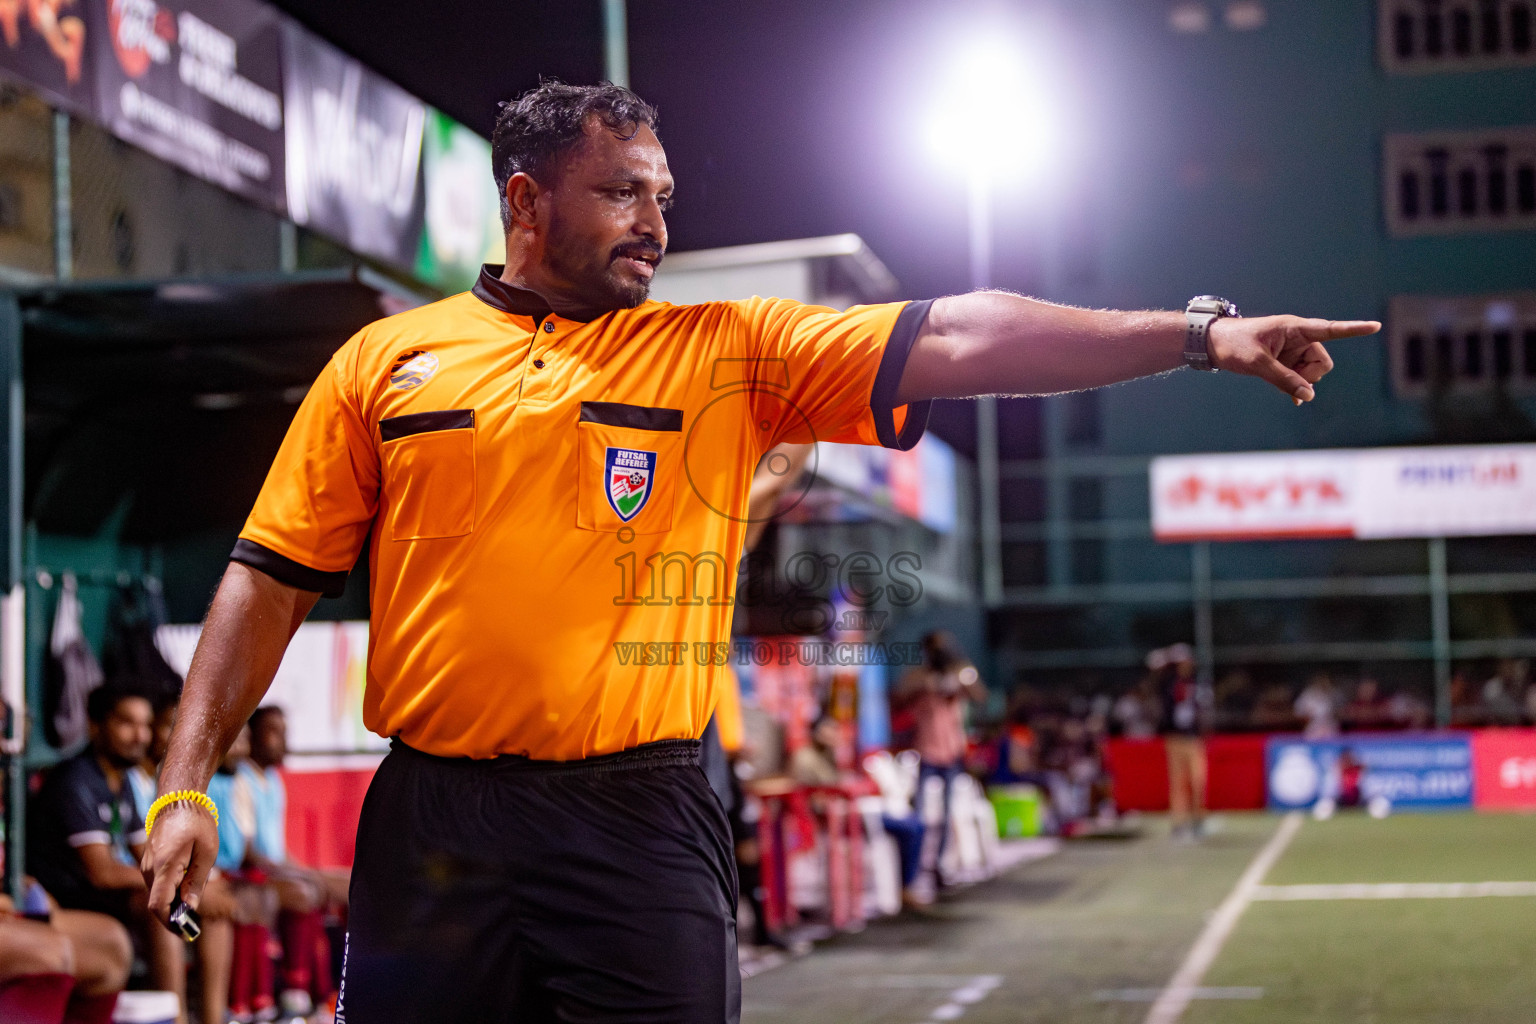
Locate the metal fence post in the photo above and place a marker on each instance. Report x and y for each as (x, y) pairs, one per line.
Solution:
(1440, 626)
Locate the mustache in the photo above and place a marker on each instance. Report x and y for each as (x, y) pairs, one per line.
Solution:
(638, 250)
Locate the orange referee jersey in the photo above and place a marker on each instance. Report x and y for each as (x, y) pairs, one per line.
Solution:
(557, 508)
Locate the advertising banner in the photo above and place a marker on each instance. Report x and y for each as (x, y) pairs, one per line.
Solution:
(1504, 762)
(463, 209)
(1411, 772)
(319, 684)
(353, 151)
(1454, 491)
(1461, 490)
(1260, 495)
(919, 483)
(198, 83)
(46, 45)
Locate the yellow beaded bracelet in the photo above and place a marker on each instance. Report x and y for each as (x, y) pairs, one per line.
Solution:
(190, 796)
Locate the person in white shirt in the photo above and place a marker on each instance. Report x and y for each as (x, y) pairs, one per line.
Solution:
(1318, 706)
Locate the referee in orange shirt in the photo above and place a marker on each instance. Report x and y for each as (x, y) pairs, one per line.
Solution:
(551, 473)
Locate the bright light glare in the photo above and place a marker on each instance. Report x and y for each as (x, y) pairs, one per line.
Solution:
(996, 114)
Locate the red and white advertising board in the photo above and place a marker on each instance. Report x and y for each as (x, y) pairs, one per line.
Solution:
(1454, 490)
(1504, 769)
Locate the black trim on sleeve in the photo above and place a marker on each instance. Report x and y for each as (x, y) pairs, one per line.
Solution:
(882, 397)
(395, 427)
(637, 417)
(286, 570)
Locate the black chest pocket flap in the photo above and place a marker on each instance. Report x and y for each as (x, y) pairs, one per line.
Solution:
(429, 474)
(628, 461)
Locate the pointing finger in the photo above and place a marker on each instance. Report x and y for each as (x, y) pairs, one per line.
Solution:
(1329, 330)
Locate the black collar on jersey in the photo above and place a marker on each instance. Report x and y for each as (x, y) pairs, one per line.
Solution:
(496, 293)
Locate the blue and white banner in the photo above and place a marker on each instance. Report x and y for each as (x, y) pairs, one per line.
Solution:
(1410, 771)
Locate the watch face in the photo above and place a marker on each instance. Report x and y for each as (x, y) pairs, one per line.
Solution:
(1211, 304)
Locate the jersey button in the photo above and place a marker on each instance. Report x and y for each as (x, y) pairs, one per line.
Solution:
(538, 364)
(549, 327)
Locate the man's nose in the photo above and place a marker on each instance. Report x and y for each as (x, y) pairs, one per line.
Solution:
(651, 222)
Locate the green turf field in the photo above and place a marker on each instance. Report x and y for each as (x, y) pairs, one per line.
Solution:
(1403, 961)
(1092, 934)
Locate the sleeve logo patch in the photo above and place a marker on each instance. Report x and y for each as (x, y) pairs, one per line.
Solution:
(412, 370)
(629, 473)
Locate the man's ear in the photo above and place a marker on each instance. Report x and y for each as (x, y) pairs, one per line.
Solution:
(522, 194)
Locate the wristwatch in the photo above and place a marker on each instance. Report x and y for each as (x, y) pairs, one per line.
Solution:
(1202, 311)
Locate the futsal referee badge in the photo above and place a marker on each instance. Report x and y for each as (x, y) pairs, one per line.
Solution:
(629, 473)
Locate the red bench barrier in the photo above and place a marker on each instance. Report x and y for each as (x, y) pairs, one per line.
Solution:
(1236, 773)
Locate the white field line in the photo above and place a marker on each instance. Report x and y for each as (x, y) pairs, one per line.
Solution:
(1147, 995)
(976, 988)
(1394, 891)
(1175, 997)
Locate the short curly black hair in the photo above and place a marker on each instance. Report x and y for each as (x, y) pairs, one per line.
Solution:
(101, 702)
(536, 129)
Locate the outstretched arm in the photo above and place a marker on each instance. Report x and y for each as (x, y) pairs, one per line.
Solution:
(252, 618)
(993, 343)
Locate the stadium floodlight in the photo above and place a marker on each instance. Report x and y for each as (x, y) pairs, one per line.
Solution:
(994, 117)
(992, 121)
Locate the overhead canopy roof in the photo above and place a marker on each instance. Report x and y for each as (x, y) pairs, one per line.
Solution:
(170, 397)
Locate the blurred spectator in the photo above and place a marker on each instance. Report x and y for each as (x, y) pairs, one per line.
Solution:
(59, 965)
(1074, 771)
(144, 777)
(1275, 710)
(1317, 706)
(1407, 710)
(936, 693)
(1135, 713)
(1466, 700)
(1351, 775)
(250, 983)
(85, 839)
(1235, 701)
(1502, 693)
(1185, 719)
(1018, 758)
(814, 764)
(302, 893)
(1368, 709)
(85, 832)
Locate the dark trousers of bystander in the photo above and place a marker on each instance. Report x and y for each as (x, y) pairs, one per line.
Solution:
(947, 773)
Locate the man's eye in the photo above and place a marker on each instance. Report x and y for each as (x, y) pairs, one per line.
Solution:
(665, 202)
(623, 193)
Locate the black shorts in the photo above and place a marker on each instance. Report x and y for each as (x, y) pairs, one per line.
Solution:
(513, 891)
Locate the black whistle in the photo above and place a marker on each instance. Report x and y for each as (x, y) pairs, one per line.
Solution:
(184, 921)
